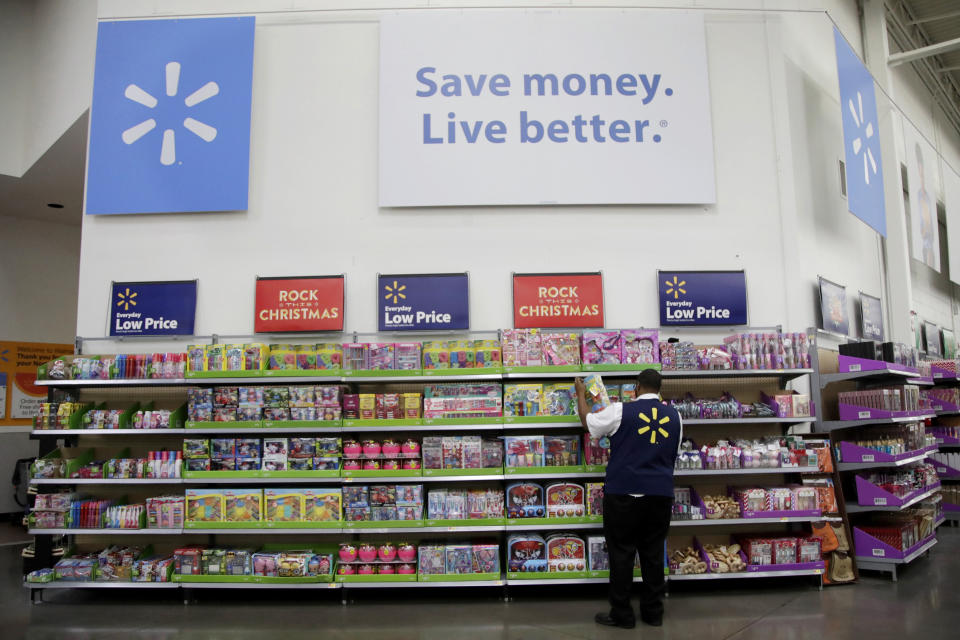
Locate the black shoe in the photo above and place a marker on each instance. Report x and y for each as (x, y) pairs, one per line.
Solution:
(609, 621)
(652, 620)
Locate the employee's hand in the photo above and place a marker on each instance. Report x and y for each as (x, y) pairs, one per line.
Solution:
(579, 386)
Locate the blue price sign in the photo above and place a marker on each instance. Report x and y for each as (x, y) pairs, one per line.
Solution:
(423, 302)
(153, 308)
(693, 298)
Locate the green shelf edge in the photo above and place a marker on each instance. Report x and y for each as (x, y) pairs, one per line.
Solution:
(570, 368)
(465, 577)
(452, 422)
(239, 424)
(379, 578)
(555, 521)
(589, 368)
(302, 424)
(529, 471)
(386, 524)
(462, 371)
(548, 575)
(453, 473)
(381, 373)
(539, 419)
(456, 524)
(382, 473)
(382, 423)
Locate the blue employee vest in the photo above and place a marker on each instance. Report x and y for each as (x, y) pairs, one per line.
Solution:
(643, 451)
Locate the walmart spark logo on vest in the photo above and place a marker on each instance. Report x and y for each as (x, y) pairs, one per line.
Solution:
(170, 120)
(702, 297)
(153, 308)
(423, 302)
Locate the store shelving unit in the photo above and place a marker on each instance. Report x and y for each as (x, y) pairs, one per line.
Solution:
(947, 417)
(675, 380)
(838, 372)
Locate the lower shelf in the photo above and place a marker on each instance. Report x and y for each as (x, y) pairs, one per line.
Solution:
(747, 574)
(868, 562)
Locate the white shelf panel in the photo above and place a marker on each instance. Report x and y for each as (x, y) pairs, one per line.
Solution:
(101, 585)
(108, 432)
(414, 585)
(832, 425)
(316, 481)
(423, 427)
(261, 431)
(739, 521)
(828, 378)
(105, 532)
(693, 421)
(79, 481)
(255, 585)
(558, 527)
(519, 477)
(259, 531)
(744, 472)
(746, 574)
(857, 508)
(149, 382)
(757, 373)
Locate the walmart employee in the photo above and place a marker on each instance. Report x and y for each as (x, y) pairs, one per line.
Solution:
(645, 438)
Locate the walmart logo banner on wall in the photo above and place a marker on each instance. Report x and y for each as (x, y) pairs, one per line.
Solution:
(423, 302)
(702, 298)
(170, 121)
(861, 138)
(153, 308)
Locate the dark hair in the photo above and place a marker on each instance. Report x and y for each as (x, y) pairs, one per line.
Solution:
(649, 379)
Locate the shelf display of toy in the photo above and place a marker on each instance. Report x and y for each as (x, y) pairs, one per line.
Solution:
(301, 403)
(556, 503)
(882, 402)
(388, 455)
(268, 565)
(945, 435)
(232, 358)
(860, 354)
(894, 536)
(462, 455)
(687, 504)
(461, 354)
(115, 367)
(305, 357)
(895, 487)
(252, 457)
(381, 406)
(157, 465)
(383, 562)
(608, 350)
(560, 555)
(725, 407)
(401, 505)
(744, 351)
(527, 454)
(463, 401)
(458, 562)
(470, 507)
(787, 452)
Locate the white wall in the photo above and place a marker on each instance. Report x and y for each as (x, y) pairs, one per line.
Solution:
(46, 71)
(313, 199)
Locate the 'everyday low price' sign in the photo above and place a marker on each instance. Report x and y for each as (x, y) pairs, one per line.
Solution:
(153, 308)
(693, 298)
(425, 302)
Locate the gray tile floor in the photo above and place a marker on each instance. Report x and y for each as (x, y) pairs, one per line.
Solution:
(924, 603)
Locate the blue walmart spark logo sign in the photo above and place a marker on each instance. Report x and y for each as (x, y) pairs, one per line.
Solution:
(690, 298)
(170, 120)
(423, 302)
(153, 308)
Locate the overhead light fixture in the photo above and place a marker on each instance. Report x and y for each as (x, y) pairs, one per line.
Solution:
(55, 205)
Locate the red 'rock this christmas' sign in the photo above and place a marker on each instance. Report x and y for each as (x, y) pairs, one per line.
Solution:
(309, 303)
(558, 300)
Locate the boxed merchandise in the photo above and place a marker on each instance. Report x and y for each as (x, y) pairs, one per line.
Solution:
(521, 348)
(565, 500)
(523, 451)
(566, 552)
(322, 505)
(381, 356)
(561, 451)
(525, 500)
(459, 559)
(560, 349)
(596, 452)
(283, 505)
(356, 356)
(523, 400)
(435, 355)
(486, 558)
(594, 498)
(559, 399)
(462, 354)
(487, 353)
(598, 558)
(433, 559)
(205, 505)
(526, 553)
(601, 347)
(596, 393)
(242, 505)
(639, 346)
(188, 561)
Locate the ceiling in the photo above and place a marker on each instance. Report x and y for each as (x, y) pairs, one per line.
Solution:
(913, 24)
(56, 177)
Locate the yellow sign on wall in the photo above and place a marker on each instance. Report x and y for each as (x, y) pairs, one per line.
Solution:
(19, 394)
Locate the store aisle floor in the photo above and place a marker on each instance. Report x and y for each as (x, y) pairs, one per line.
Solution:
(924, 603)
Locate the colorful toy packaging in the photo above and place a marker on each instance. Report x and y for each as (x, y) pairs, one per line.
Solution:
(466, 400)
(322, 505)
(596, 394)
(243, 505)
(526, 553)
(525, 500)
(594, 494)
(560, 349)
(566, 552)
(639, 346)
(596, 452)
(523, 451)
(521, 348)
(523, 399)
(205, 505)
(283, 505)
(559, 399)
(565, 500)
(601, 347)
(561, 451)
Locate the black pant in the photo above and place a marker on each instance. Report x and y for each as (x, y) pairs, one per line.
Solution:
(636, 526)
